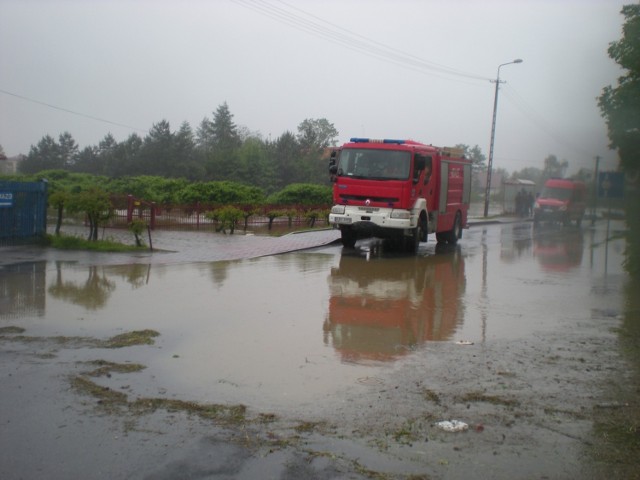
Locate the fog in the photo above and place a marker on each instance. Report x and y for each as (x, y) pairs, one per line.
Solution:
(402, 69)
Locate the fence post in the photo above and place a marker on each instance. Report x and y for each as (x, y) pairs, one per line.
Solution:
(129, 208)
(43, 205)
(152, 219)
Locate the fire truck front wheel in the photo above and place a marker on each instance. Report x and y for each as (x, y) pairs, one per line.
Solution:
(348, 237)
(412, 242)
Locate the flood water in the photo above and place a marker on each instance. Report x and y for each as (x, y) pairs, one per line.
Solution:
(293, 332)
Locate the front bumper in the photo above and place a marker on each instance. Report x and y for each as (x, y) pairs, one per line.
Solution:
(379, 218)
(549, 214)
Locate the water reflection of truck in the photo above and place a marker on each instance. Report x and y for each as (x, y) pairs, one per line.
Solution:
(381, 309)
(558, 251)
(399, 190)
(561, 200)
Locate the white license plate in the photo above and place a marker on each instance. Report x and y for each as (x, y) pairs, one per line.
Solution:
(342, 219)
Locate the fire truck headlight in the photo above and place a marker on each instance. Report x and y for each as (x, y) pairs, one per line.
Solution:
(402, 214)
(337, 209)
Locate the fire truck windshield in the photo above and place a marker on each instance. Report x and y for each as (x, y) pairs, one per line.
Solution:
(374, 164)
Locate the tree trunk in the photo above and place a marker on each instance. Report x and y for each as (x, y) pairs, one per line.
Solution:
(59, 221)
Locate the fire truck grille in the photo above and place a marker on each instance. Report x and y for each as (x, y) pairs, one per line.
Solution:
(359, 198)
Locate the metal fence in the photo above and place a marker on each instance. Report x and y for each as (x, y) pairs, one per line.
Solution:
(197, 216)
(23, 212)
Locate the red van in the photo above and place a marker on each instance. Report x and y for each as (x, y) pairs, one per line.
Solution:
(561, 200)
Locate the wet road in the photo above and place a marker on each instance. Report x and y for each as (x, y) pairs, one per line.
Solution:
(347, 337)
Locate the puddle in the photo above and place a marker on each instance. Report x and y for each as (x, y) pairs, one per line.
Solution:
(294, 331)
(522, 281)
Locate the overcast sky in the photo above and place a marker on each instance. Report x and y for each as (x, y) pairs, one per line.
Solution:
(417, 69)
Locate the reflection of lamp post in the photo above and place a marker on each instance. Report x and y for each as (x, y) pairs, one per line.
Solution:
(493, 134)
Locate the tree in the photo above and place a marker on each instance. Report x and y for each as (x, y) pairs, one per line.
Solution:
(302, 194)
(477, 163)
(554, 168)
(221, 160)
(254, 166)
(530, 173)
(285, 153)
(106, 155)
(620, 105)
(500, 173)
(185, 163)
(58, 198)
(95, 203)
(127, 157)
(156, 155)
(108, 144)
(314, 137)
(475, 155)
(43, 156)
(137, 226)
(68, 150)
(244, 133)
(88, 161)
(584, 175)
(221, 193)
(151, 188)
(204, 136)
(227, 217)
(316, 134)
(225, 132)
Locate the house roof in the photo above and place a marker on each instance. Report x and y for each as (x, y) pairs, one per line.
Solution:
(518, 181)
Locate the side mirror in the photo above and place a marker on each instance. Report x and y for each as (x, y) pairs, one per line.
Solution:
(333, 166)
(332, 159)
(419, 163)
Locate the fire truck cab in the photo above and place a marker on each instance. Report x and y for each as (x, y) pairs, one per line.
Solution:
(399, 190)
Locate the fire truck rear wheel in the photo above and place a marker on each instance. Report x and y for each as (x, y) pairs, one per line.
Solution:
(452, 235)
(457, 229)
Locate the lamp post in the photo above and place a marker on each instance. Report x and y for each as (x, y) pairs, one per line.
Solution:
(493, 135)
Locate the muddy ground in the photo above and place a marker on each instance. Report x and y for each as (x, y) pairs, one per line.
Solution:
(553, 403)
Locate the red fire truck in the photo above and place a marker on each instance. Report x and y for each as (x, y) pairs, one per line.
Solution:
(399, 190)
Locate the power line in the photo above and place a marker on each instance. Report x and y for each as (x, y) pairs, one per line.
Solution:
(418, 61)
(314, 25)
(336, 34)
(66, 110)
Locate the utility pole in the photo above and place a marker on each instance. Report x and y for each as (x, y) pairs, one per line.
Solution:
(595, 191)
(487, 192)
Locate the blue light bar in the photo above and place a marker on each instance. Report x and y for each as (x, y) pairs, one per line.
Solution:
(371, 140)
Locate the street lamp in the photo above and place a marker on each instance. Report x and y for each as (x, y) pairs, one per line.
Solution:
(493, 135)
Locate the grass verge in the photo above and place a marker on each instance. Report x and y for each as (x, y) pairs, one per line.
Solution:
(72, 242)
